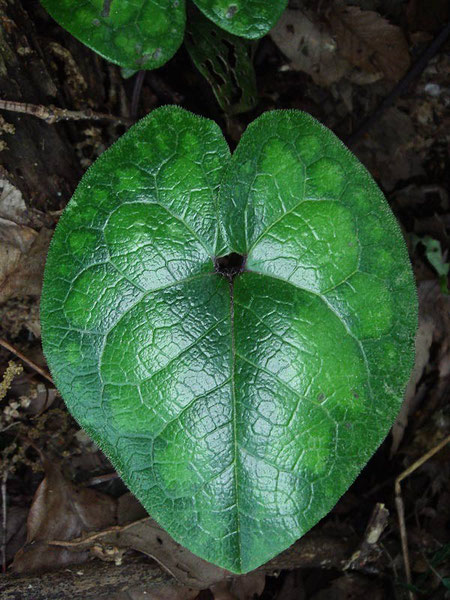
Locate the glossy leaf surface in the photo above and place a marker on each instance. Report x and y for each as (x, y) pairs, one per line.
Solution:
(247, 18)
(136, 34)
(237, 409)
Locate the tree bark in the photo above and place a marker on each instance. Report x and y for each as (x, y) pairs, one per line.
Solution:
(42, 64)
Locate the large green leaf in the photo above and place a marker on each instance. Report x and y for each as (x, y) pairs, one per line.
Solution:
(136, 34)
(247, 18)
(237, 401)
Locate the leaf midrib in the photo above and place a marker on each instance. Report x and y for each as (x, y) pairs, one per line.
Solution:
(234, 424)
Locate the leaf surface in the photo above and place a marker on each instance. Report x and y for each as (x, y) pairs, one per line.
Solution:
(237, 410)
(247, 18)
(136, 34)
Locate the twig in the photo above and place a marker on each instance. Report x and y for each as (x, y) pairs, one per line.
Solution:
(4, 520)
(138, 82)
(101, 479)
(414, 72)
(401, 509)
(26, 360)
(52, 114)
(368, 547)
(10, 426)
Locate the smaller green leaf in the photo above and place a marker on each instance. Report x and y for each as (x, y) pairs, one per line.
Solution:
(251, 19)
(136, 34)
(433, 252)
(224, 60)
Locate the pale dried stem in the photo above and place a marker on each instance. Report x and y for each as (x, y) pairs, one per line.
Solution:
(4, 520)
(26, 360)
(52, 114)
(401, 509)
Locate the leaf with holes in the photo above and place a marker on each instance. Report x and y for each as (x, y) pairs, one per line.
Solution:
(145, 34)
(226, 62)
(237, 332)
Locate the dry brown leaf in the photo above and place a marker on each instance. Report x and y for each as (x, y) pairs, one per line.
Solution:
(22, 257)
(388, 150)
(61, 510)
(129, 509)
(368, 41)
(434, 327)
(434, 303)
(40, 396)
(12, 204)
(307, 43)
(16, 517)
(315, 549)
(189, 570)
(424, 339)
(146, 536)
(243, 587)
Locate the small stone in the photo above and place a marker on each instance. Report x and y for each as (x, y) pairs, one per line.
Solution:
(432, 89)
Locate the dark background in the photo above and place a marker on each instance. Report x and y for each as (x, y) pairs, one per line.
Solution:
(356, 551)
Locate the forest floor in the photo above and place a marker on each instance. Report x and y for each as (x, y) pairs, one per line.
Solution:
(331, 61)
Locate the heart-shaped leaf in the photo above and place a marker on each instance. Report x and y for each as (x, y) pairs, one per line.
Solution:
(145, 34)
(235, 333)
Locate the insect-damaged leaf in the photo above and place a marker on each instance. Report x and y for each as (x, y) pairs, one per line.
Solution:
(235, 333)
(226, 62)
